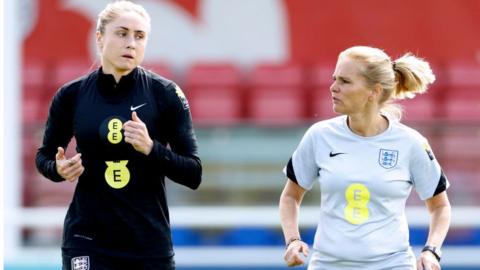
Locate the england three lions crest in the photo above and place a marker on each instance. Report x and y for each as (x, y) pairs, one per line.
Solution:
(81, 263)
(388, 158)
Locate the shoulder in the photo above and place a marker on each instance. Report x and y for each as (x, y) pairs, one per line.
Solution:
(409, 135)
(324, 129)
(163, 87)
(70, 89)
(160, 82)
(328, 125)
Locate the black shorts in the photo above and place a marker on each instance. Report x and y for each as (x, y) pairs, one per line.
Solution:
(84, 260)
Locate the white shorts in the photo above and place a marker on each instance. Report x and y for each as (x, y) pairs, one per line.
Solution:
(397, 261)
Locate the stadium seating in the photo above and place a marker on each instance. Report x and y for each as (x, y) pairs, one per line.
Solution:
(57, 74)
(319, 79)
(182, 236)
(33, 81)
(419, 109)
(254, 236)
(71, 69)
(161, 69)
(273, 95)
(462, 101)
(276, 95)
(215, 94)
(39, 191)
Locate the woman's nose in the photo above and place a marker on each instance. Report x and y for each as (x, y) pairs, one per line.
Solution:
(333, 87)
(131, 42)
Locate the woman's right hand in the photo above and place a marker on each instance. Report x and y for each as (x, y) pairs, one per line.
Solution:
(69, 169)
(296, 253)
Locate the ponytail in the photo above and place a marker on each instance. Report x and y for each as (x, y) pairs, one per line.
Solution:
(404, 77)
(412, 76)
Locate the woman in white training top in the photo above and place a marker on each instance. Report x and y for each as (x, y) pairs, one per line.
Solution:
(366, 163)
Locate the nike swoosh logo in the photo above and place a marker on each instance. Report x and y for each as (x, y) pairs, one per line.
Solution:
(335, 154)
(137, 107)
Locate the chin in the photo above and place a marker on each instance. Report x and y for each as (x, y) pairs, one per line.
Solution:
(124, 68)
(337, 110)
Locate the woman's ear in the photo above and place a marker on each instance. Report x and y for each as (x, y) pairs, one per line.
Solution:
(99, 39)
(377, 91)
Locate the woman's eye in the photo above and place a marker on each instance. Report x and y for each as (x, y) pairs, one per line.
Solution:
(139, 36)
(121, 34)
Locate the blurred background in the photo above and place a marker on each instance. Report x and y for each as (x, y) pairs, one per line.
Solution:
(257, 75)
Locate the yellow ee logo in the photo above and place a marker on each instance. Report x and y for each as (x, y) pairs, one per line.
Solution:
(115, 131)
(117, 174)
(357, 196)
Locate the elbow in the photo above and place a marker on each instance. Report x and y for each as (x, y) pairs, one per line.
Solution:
(197, 177)
(195, 184)
(39, 160)
(41, 164)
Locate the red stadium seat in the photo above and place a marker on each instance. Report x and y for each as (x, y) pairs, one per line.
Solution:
(321, 75)
(462, 101)
(214, 93)
(161, 69)
(277, 95)
(33, 80)
(419, 109)
(427, 107)
(39, 191)
(64, 72)
(319, 81)
(459, 158)
(321, 103)
(70, 70)
(45, 192)
(464, 145)
(463, 105)
(30, 142)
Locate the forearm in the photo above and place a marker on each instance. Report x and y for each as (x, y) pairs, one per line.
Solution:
(58, 132)
(185, 170)
(439, 225)
(47, 166)
(289, 209)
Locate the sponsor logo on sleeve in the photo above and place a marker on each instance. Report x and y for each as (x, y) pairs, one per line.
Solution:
(427, 148)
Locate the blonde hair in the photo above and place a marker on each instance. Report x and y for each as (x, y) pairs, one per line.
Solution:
(404, 77)
(114, 9)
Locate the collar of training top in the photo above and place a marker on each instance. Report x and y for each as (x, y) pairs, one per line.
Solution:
(109, 87)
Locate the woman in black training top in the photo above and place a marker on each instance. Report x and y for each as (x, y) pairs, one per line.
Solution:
(122, 117)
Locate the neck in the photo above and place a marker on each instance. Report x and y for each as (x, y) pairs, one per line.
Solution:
(117, 74)
(367, 125)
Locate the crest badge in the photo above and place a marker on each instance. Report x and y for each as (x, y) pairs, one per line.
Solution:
(81, 263)
(388, 158)
(182, 97)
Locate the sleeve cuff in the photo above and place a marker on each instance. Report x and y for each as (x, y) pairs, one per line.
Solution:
(158, 153)
(55, 177)
(290, 172)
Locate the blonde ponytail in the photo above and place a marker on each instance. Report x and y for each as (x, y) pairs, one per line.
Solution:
(412, 76)
(404, 77)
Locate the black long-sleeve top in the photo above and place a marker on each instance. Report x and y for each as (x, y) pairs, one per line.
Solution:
(119, 207)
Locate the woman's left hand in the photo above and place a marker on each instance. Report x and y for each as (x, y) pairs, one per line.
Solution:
(427, 261)
(136, 134)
